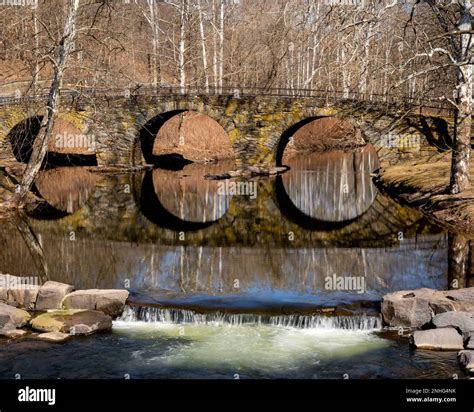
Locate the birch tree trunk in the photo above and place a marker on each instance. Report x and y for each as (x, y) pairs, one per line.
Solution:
(462, 144)
(40, 145)
(36, 69)
(214, 59)
(155, 62)
(221, 46)
(203, 48)
(182, 33)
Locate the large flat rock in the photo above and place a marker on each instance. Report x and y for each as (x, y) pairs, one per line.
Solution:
(73, 322)
(437, 339)
(407, 308)
(51, 294)
(109, 301)
(53, 337)
(462, 321)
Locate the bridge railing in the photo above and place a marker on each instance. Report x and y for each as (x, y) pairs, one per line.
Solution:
(322, 96)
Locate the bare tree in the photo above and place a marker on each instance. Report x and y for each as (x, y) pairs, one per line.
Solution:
(40, 146)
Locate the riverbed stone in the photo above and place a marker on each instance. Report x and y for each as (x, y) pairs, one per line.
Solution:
(462, 321)
(12, 318)
(466, 360)
(51, 294)
(16, 291)
(53, 337)
(24, 297)
(439, 303)
(437, 339)
(13, 333)
(463, 299)
(407, 308)
(109, 301)
(72, 321)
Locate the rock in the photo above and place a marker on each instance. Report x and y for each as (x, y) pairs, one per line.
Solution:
(462, 321)
(72, 321)
(469, 340)
(51, 294)
(13, 333)
(18, 291)
(462, 299)
(407, 308)
(24, 297)
(109, 301)
(466, 360)
(439, 303)
(54, 337)
(12, 318)
(437, 339)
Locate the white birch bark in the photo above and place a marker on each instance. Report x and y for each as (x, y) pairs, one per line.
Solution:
(40, 145)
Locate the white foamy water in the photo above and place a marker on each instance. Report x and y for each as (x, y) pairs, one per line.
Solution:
(247, 343)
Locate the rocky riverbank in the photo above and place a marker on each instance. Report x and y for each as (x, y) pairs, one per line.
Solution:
(423, 183)
(435, 320)
(54, 311)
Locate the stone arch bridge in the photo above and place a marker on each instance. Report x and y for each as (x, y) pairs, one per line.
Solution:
(259, 123)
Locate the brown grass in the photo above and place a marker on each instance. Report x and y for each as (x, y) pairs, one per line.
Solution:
(424, 183)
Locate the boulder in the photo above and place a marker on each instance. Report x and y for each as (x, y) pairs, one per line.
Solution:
(466, 360)
(439, 303)
(12, 318)
(109, 301)
(462, 321)
(407, 308)
(462, 299)
(51, 294)
(437, 339)
(13, 333)
(24, 297)
(469, 340)
(16, 291)
(72, 321)
(53, 337)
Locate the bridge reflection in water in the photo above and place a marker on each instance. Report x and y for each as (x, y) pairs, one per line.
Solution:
(332, 186)
(121, 237)
(64, 190)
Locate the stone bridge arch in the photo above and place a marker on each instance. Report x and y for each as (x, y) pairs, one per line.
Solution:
(257, 126)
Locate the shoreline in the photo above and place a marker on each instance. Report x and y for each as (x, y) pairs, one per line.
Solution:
(422, 184)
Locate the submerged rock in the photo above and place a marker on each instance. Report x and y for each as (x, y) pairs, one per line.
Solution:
(51, 294)
(437, 339)
(407, 308)
(109, 301)
(73, 321)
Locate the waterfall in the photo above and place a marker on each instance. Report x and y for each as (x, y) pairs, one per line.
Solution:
(180, 316)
